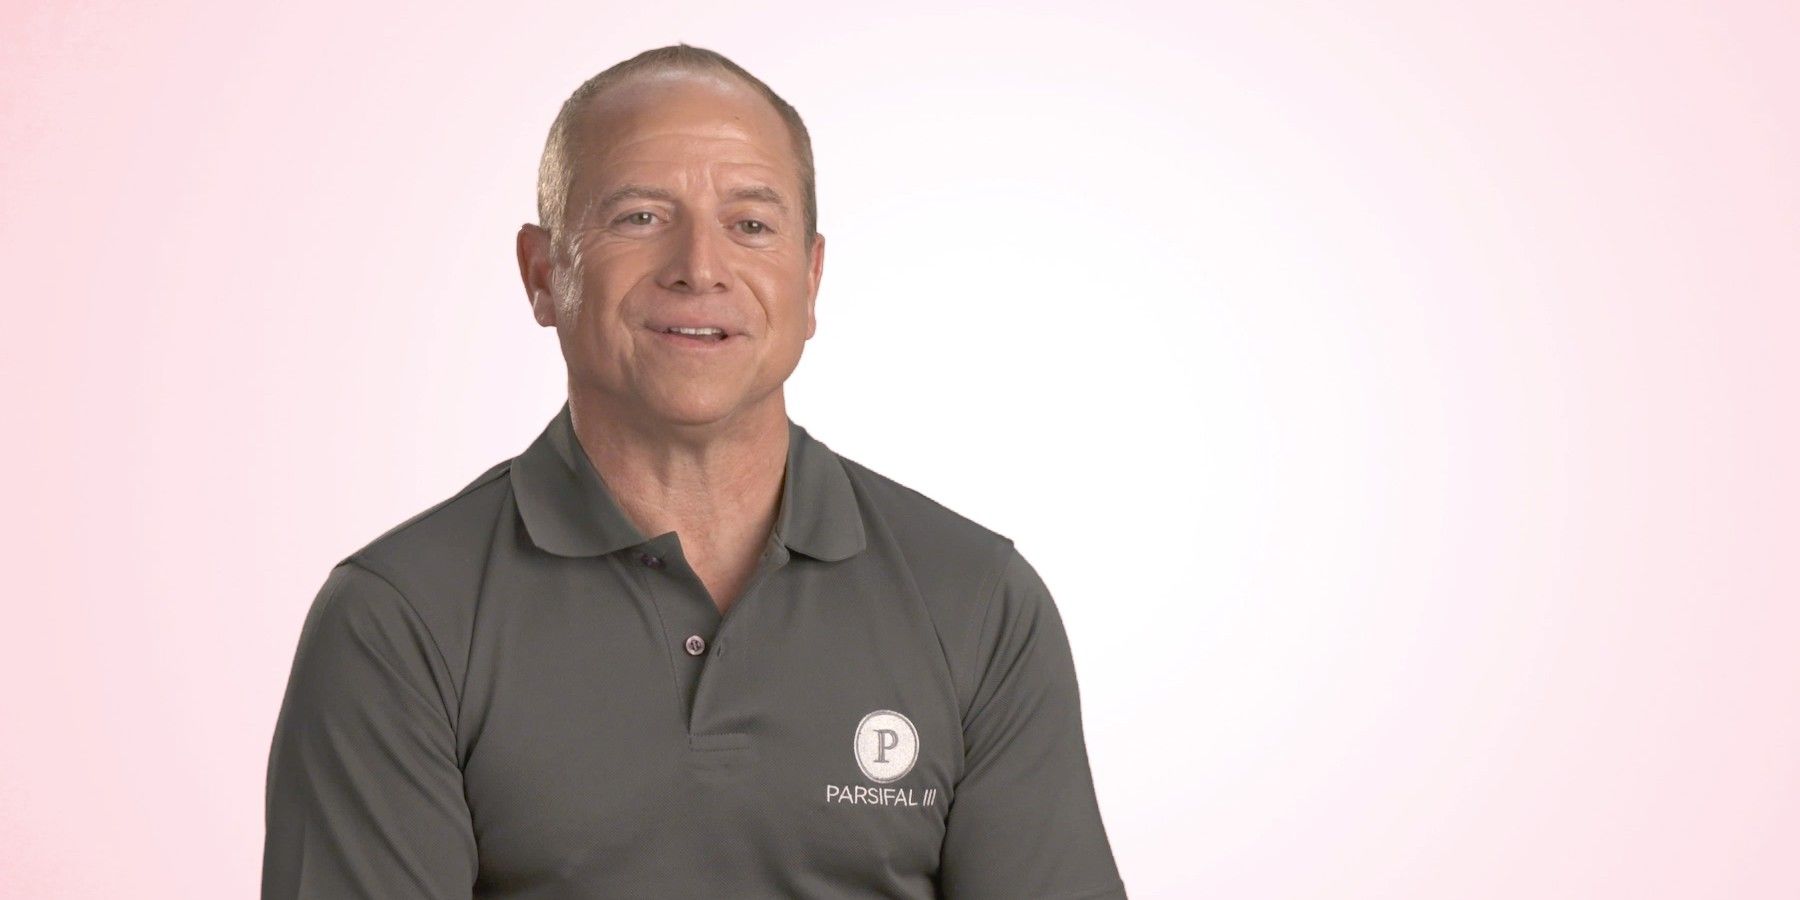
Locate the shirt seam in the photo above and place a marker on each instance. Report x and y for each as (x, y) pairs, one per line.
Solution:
(991, 591)
(436, 647)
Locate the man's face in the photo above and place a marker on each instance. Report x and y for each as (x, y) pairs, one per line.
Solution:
(684, 210)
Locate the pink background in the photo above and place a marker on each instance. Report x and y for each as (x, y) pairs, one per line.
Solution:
(1399, 399)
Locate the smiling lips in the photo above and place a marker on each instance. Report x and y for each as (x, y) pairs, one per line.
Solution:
(707, 332)
(697, 337)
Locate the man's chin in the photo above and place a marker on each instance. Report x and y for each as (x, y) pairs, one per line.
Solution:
(696, 412)
(681, 403)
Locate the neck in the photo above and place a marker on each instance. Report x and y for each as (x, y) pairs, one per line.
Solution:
(716, 483)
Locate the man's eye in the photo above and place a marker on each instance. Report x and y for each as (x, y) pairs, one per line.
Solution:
(630, 215)
(760, 227)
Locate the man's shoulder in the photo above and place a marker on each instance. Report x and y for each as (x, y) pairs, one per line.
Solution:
(961, 568)
(938, 540)
(446, 536)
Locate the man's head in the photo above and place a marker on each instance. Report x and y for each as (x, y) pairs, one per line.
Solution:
(676, 190)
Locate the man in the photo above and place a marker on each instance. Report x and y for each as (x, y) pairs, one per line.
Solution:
(678, 647)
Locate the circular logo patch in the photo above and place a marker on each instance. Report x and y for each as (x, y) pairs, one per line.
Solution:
(886, 746)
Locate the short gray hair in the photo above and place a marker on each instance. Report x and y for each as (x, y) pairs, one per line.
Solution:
(556, 170)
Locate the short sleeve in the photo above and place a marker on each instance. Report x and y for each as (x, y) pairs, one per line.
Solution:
(364, 794)
(1024, 820)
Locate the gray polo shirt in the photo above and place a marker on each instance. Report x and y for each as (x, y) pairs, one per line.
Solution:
(515, 694)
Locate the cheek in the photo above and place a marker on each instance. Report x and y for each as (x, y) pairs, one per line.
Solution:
(598, 334)
(605, 271)
(601, 295)
(785, 304)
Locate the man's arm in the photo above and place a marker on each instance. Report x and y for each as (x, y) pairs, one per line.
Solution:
(365, 798)
(1023, 819)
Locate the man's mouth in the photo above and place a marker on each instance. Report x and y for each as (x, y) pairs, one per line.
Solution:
(705, 334)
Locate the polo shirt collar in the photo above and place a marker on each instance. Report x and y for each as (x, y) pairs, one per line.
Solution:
(569, 511)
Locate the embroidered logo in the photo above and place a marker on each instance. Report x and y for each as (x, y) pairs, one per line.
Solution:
(886, 746)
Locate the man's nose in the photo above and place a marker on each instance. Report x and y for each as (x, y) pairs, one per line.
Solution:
(696, 260)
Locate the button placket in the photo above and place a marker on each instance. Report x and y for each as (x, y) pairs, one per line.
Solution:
(689, 622)
(695, 644)
(716, 711)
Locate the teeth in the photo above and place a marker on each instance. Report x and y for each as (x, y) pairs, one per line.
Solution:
(676, 329)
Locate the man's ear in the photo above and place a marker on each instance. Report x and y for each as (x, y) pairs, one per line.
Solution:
(815, 273)
(537, 268)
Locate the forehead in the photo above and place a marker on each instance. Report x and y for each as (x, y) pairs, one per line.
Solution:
(683, 119)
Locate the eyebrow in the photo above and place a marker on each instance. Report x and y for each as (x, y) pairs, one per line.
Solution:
(634, 192)
(760, 192)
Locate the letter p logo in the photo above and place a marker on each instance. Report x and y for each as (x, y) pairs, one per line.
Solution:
(886, 745)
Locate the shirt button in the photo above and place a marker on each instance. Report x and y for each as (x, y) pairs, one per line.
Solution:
(651, 560)
(696, 645)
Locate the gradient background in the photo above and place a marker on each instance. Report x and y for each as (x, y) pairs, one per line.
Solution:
(1399, 399)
